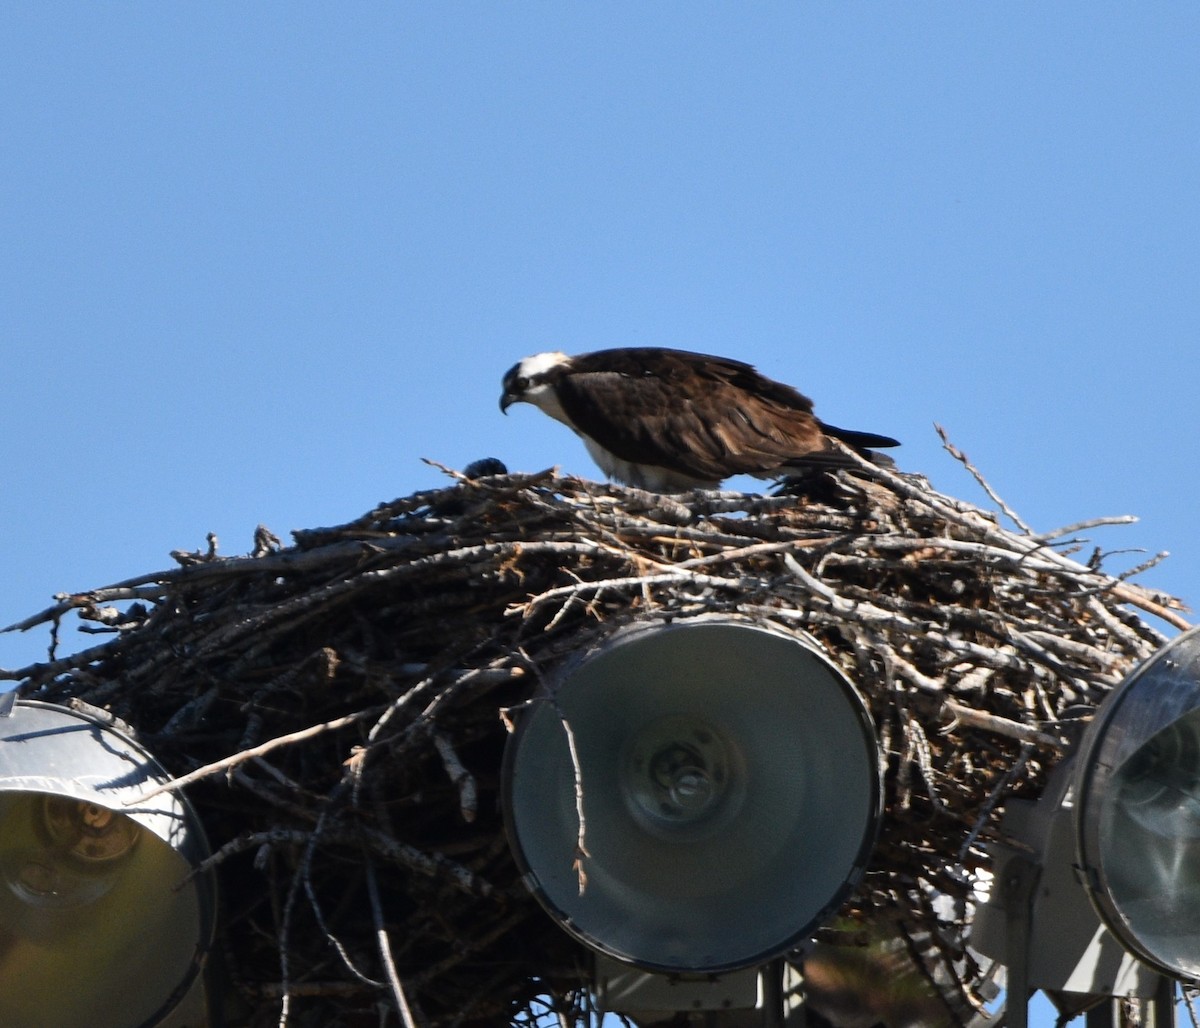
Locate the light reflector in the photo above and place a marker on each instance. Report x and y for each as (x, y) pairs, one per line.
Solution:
(101, 923)
(1139, 810)
(730, 794)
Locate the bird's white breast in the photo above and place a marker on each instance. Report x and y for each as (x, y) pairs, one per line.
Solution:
(642, 476)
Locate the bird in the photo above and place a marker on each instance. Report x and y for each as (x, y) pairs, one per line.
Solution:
(670, 421)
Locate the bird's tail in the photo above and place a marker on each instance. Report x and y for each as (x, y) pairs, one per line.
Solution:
(860, 440)
(863, 443)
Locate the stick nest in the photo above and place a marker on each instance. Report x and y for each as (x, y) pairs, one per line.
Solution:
(333, 709)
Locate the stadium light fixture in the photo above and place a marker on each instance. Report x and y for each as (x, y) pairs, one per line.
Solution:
(694, 797)
(103, 921)
(1138, 822)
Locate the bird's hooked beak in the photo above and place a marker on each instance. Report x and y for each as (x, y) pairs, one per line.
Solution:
(513, 392)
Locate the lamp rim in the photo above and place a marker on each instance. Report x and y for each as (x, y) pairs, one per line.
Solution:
(632, 632)
(1093, 778)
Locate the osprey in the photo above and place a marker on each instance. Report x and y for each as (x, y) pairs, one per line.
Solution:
(671, 420)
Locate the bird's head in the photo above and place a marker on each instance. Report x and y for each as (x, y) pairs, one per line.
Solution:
(530, 380)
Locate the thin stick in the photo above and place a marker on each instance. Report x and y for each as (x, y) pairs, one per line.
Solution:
(262, 749)
(385, 949)
(961, 457)
(581, 850)
(463, 780)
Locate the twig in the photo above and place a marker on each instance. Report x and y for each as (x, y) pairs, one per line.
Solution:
(998, 792)
(459, 775)
(581, 850)
(961, 457)
(261, 750)
(385, 949)
(1001, 726)
(1085, 526)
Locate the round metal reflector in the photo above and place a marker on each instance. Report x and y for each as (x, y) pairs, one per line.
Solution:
(1139, 810)
(729, 785)
(100, 924)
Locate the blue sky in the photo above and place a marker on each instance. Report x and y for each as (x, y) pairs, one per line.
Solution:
(259, 260)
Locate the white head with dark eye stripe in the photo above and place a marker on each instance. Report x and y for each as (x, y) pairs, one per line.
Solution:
(531, 381)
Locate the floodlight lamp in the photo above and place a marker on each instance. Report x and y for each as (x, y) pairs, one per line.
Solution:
(727, 775)
(104, 922)
(1138, 822)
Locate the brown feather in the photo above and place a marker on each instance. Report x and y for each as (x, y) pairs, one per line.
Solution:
(704, 417)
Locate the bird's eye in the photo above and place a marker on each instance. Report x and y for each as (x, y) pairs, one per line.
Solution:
(521, 384)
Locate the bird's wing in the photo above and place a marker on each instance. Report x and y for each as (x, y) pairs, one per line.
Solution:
(706, 417)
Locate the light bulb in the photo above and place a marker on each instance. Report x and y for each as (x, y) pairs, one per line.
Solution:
(65, 852)
(681, 776)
